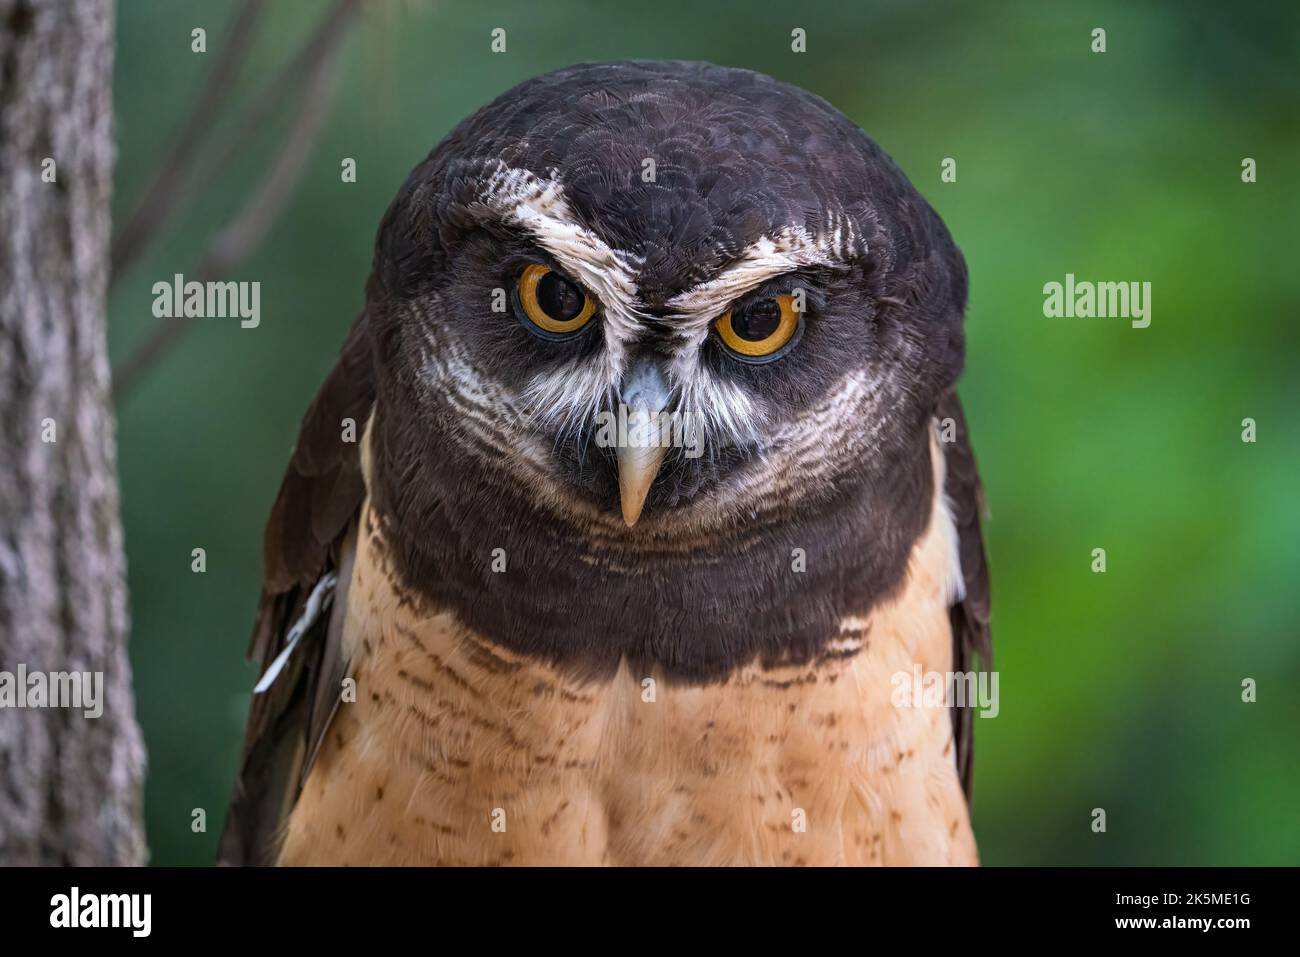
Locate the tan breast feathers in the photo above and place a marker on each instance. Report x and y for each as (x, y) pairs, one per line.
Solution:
(458, 752)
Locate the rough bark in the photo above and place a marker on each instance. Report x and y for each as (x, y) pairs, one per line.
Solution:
(70, 786)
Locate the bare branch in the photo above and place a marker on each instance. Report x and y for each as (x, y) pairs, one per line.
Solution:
(239, 237)
(242, 234)
(157, 202)
(328, 36)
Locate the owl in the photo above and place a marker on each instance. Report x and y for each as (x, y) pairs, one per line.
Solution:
(639, 482)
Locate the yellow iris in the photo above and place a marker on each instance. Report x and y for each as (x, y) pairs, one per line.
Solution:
(551, 302)
(761, 328)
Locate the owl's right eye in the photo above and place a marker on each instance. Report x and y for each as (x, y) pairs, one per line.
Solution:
(554, 307)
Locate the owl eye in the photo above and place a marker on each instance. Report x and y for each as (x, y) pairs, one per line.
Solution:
(760, 331)
(554, 306)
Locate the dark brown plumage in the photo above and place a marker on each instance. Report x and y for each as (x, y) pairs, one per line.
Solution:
(700, 588)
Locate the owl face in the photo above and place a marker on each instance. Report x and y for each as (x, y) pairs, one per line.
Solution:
(663, 294)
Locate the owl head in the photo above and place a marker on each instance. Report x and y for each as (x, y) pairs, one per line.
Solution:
(665, 318)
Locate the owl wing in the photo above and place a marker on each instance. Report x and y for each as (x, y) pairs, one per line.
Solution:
(307, 556)
(971, 637)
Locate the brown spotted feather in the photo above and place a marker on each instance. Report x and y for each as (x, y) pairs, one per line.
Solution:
(459, 752)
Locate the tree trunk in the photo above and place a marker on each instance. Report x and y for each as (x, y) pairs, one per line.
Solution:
(70, 785)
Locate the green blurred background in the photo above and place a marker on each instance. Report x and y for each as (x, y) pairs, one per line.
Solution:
(1119, 690)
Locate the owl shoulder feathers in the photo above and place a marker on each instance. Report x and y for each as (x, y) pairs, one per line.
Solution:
(308, 536)
(969, 616)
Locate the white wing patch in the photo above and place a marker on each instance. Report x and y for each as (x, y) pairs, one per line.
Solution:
(956, 589)
(317, 602)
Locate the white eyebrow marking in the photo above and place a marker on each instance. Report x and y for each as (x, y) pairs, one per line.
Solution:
(539, 207)
(695, 310)
(768, 257)
(566, 398)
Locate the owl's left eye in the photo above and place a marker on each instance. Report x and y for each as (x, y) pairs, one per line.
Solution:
(760, 331)
(555, 307)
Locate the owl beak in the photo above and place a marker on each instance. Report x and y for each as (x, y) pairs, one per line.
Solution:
(637, 469)
(640, 449)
